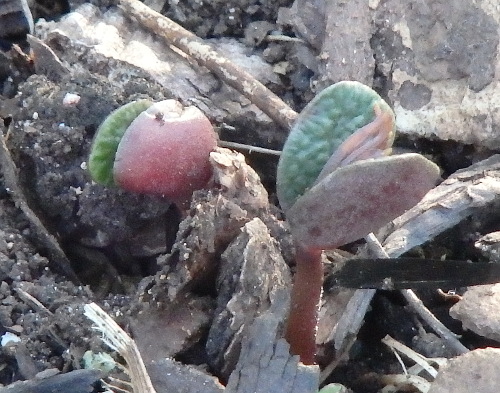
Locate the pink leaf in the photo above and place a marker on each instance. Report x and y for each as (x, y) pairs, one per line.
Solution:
(165, 151)
(360, 198)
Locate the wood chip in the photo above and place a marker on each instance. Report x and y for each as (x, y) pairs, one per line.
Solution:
(253, 276)
(266, 365)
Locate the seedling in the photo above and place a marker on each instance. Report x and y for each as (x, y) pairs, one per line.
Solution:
(161, 149)
(336, 186)
(334, 181)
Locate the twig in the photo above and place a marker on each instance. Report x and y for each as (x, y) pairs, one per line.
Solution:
(422, 361)
(249, 148)
(204, 54)
(32, 301)
(45, 239)
(416, 304)
(284, 38)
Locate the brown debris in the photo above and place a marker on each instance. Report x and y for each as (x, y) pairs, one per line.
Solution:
(214, 220)
(252, 277)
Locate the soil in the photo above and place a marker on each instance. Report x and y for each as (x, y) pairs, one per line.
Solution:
(131, 253)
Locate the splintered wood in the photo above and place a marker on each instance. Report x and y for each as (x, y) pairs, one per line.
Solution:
(458, 197)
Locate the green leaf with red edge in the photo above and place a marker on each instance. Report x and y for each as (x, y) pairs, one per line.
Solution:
(323, 128)
(107, 139)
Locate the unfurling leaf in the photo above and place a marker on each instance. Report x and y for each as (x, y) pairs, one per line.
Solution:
(327, 125)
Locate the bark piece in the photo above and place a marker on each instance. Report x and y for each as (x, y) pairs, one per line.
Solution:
(253, 277)
(238, 180)
(181, 323)
(266, 365)
(341, 32)
(346, 53)
(170, 376)
(45, 60)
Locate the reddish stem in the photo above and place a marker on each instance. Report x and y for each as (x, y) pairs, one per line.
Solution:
(306, 294)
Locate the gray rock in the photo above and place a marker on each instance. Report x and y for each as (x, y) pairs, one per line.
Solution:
(479, 309)
(476, 371)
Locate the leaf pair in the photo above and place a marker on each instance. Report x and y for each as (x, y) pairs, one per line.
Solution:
(157, 148)
(334, 181)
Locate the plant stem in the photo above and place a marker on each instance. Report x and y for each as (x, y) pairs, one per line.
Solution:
(306, 295)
